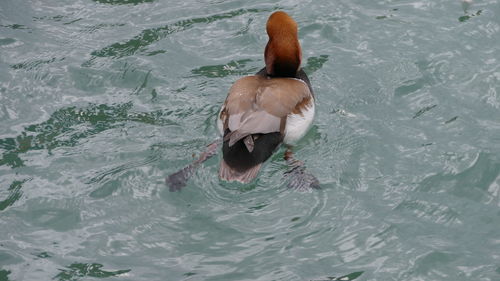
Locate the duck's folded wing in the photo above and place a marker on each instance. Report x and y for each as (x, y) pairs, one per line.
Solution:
(249, 123)
(257, 105)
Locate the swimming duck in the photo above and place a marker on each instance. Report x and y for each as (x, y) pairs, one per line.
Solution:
(262, 111)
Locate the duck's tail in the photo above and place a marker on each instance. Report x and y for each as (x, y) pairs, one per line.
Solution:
(230, 174)
(242, 164)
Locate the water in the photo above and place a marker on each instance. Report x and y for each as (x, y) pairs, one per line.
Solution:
(100, 100)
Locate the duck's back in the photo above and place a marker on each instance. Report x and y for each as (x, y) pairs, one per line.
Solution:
(253, 121)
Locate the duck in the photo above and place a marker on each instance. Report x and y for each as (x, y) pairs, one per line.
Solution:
(261, 112)
(273, 107)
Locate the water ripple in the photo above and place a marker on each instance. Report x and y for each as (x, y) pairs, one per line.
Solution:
(100, 100)
(149, 36)
(63, 130)
(123, 2)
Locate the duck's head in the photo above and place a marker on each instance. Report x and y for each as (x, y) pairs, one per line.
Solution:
(283, 54)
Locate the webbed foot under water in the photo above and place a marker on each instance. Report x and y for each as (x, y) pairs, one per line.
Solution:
(298, 177)
(178, 180)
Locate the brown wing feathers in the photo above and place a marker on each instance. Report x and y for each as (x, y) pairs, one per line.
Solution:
(257, 105)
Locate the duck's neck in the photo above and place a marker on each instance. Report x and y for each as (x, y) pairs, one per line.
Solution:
(282, 57)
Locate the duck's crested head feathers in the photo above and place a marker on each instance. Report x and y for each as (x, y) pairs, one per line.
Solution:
(283, 54)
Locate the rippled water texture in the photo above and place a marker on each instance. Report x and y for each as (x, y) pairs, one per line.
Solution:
(101, 99)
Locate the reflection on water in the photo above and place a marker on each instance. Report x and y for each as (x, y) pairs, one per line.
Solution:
(149, 36)
(315, 63)
(64, 129)
(468, 16)
(4, 274)
(351, 276)
(77, 270)
(14, 193)
(230, 68)
(123, 2)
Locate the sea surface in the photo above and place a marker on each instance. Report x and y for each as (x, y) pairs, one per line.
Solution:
(101, 99)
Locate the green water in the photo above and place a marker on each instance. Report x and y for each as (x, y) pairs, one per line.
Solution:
(101, 99)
